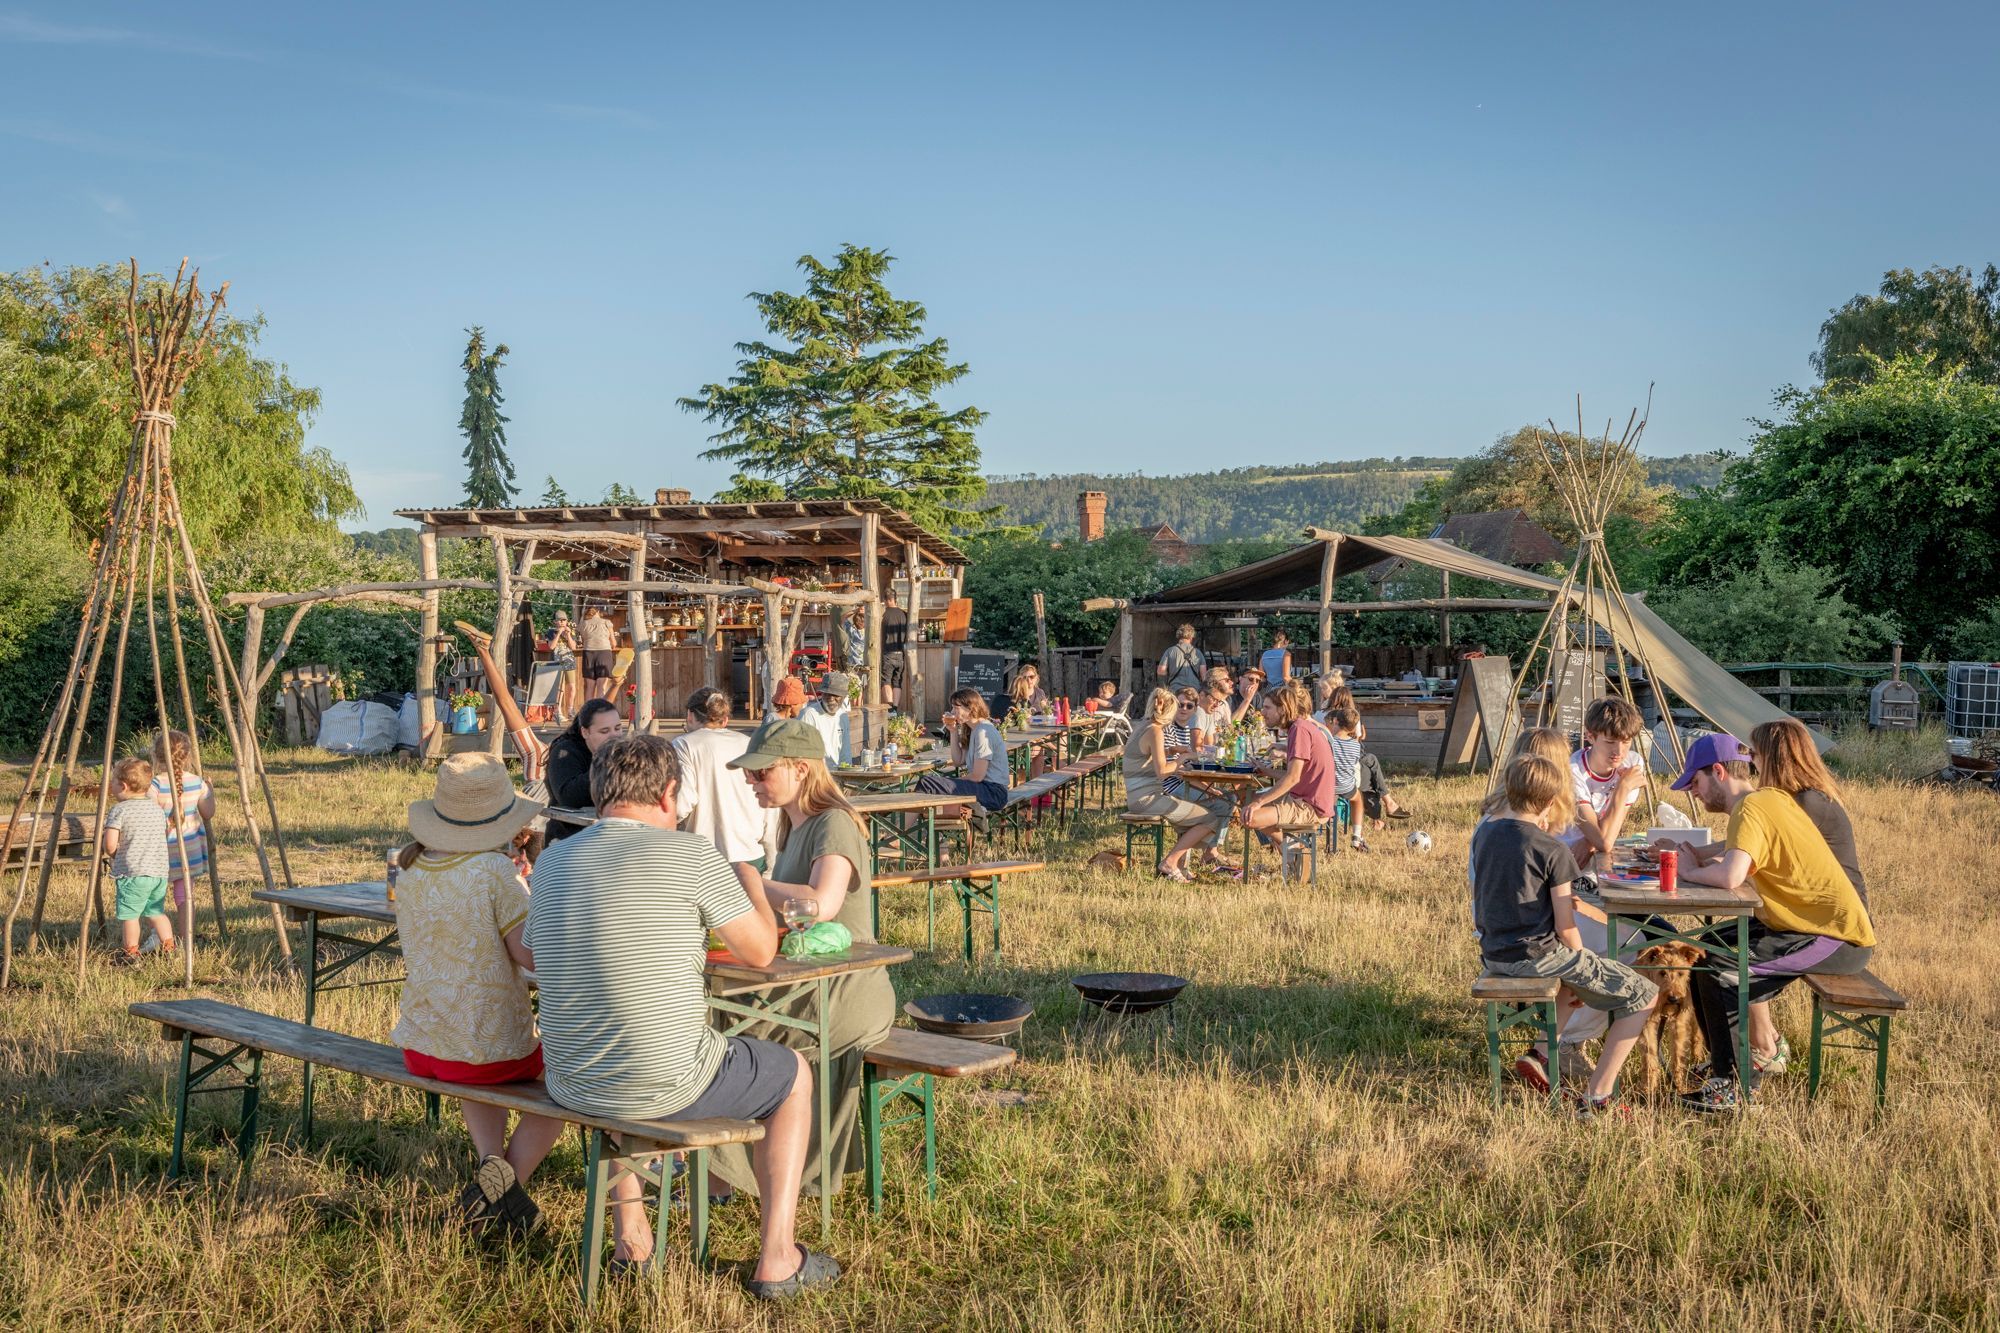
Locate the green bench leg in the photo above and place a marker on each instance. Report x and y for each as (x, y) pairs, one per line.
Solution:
(1882, 1060)
(1873, 1029)
(181, 1106)
(880, 1092)
(971, 897)
(1813, 1050)
(1159, 832)
(433, 1105)
(1504, 1014)
(1493, 1049)
(596, 1202)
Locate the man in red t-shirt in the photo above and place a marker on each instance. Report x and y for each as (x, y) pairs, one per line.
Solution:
(1304, 793)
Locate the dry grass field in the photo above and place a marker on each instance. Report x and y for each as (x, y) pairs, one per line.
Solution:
(1310, 1148)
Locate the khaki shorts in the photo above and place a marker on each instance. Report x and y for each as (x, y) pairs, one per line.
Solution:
(1293, 813)
(1598, 982)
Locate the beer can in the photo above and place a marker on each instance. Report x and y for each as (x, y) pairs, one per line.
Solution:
(1670, 871)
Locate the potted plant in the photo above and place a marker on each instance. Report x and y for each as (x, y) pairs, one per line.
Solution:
(465, 712)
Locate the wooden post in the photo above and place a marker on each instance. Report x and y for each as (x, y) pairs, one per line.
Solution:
(253, 645)
(1785, 688)
(1328, 553)
(1444, 618)
(1124, 669)
(913, 671)
(503, 626)
(711, 641)
(774, 647)
(642, 648)
(871, 582)
(1042, 632)
(427, 648)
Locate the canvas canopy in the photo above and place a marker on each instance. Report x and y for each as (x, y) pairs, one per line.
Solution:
(1692, 675)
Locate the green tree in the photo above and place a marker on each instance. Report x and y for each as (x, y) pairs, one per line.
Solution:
(618, 493)
(844, 404)
(553, 494)
(489, 473)
(1775, 610)
(241, 462)
(1943, 314)
(1976, 638)
(1892, 485)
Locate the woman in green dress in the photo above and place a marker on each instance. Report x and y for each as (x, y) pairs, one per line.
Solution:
(822, 856)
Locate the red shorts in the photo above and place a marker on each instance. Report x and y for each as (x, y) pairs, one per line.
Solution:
(524, 1070)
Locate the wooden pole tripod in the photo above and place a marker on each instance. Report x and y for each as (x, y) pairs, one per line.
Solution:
(167, 332)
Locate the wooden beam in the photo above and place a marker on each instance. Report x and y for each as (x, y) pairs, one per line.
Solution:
(779, 590)
(257, 600)
(623, 539)
(1104, 603)
(913, 672)
(427, 648)
(642, 645)
(1328, 554)
(253, 645)
(503, 628)
(702, 527)
(1124, 672)
(872, 718)
(1042, 631)
(1299, 607)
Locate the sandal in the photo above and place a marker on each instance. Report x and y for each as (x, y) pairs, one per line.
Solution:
(1174, 873)
(815, 1270)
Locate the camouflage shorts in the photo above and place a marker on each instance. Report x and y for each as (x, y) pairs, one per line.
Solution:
(1598, 982)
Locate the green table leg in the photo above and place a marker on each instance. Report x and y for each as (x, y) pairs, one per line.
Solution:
(824, 1037)
(1743, 1067)
(181, 1105)
(312, 1002)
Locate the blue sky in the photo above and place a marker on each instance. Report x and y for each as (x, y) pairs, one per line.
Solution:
(1165, 238)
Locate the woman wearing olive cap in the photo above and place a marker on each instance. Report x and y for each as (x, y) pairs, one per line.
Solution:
(822, 855)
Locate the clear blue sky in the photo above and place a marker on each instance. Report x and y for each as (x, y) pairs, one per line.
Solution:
(1165, 238)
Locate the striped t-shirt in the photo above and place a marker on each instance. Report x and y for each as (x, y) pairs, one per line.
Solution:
(1346, 765)
(618, 921)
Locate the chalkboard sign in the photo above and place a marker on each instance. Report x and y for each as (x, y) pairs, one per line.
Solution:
(1578, 678)
(1482, 721)
(985, 670)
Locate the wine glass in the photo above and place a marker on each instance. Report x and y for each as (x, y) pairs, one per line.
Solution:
(800, 913)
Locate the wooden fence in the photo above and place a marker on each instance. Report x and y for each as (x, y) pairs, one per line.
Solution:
(1832, 691)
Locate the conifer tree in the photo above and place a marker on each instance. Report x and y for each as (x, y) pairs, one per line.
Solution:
(552, 492)
(489, 473)
(843, 403)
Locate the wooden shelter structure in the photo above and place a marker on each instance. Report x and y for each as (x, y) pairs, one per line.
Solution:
(732, 569)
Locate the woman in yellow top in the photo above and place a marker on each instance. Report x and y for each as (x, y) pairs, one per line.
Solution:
(1809, 917)
(465, 1015)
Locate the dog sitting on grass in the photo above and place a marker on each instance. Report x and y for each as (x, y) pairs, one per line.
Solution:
(1673, 1024)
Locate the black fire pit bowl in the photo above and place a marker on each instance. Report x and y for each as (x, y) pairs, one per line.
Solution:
(980, 1017)
(1129, 992)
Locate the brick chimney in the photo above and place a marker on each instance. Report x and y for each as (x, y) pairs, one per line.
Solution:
(672, 495)
(1090, 506)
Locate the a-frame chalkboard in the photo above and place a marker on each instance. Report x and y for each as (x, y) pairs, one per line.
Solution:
(1482, 718)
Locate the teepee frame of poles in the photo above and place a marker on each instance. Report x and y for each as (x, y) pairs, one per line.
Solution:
(145, 541)
(1588, 476)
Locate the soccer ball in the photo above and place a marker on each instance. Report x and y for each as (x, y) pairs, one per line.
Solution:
(1419, 842)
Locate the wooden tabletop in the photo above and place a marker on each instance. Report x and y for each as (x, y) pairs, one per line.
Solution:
(367, 899)
(1697, 899)
(579, 815)
(896, 879)
(1219, 777)
(886, 773)
(903, 802)
(785, 971)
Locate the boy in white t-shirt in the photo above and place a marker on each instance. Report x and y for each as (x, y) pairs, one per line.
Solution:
(1606, 776)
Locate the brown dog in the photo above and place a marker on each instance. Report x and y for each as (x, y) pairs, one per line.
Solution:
(1108, 861)
(1673, 1024)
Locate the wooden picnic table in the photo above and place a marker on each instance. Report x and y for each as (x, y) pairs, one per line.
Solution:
(892, 777)
(774, 987)
(1237, 788)
(885, 812)
(1636, 901)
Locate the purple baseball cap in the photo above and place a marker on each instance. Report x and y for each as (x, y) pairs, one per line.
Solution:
(1718, 747)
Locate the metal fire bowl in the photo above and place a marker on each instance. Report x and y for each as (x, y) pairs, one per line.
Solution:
(1129, 992)
(983, 1017)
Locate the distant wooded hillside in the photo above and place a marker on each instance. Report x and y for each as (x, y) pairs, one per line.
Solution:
(1256, 502)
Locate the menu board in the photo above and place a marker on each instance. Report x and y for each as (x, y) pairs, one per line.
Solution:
(1482, 722)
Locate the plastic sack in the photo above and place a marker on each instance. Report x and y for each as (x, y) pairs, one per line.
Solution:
(358, 727)
(828, 937)
(410, 724)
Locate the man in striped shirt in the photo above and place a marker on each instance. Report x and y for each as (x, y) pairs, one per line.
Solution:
(618, 921)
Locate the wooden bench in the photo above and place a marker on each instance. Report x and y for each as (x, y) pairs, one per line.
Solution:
(977, 885)
(901, 1068)
(232, 1034)
(1860, 1006)
(1520, 1002)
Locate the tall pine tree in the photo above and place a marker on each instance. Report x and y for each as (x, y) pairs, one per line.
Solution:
(847, 406)
(489, 473)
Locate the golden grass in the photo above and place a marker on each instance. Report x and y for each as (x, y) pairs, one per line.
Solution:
(1310, 1148)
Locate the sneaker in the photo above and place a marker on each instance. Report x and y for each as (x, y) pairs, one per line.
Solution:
(1714, 1097)
(480, 1202)
(1590, 1108)
(1777, 1063)
(1533, 1069)
(1359, 843)
(124, 958)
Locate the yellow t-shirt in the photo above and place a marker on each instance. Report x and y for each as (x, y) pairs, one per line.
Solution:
(1799, 883)
(464, 999)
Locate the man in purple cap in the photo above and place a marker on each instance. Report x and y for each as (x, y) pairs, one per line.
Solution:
(1809, 918)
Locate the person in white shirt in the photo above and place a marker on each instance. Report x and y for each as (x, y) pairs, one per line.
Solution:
(832, 716)
(712, 800)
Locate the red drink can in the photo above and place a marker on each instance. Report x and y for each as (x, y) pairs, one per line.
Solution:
(1670, 871)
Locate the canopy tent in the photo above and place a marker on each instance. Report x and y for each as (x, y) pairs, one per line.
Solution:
(1681, 667)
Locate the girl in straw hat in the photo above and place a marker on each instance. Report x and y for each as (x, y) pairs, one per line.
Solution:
(460, 905)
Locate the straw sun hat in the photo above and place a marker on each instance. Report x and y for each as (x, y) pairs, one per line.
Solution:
(476, 808)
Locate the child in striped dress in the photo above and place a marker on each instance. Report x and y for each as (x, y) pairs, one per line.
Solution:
(187, 825)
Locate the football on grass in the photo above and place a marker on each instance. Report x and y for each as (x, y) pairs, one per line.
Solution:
(1419, 842)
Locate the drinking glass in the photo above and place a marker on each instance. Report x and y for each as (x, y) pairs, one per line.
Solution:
(800, 913)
